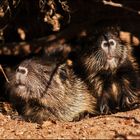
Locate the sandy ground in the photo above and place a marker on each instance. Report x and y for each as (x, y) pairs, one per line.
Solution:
(122, 125)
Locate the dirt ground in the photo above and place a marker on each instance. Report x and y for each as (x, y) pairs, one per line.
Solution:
(122, 125)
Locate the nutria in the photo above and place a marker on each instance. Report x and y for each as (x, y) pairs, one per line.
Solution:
(108, 67)
(47, 91)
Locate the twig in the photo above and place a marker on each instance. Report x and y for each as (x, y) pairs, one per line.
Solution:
(120, 5)
(112, 3)
(4, 73)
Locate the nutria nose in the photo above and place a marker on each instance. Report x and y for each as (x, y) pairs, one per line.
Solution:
(22, 70)
(111, 43)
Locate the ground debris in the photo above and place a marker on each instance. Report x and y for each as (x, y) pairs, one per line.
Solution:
(124, 125)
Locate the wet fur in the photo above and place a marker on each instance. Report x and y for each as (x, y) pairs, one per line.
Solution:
(51, 92)
(116, 84)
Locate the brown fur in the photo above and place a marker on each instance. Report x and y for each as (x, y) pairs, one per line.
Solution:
(110, 72)
(50, 92)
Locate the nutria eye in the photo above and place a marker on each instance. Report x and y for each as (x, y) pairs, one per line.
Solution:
(104, 44)
(112, 42)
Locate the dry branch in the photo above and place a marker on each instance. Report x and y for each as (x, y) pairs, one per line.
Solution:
(1, 69)
(111, 3)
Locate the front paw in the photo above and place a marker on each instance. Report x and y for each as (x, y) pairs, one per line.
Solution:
(104, 107)
(130, 101)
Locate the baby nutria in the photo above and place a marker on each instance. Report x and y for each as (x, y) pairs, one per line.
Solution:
(47, 91)
(107, 66)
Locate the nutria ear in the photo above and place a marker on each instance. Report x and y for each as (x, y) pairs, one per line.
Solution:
(57, 52)
(116, 30)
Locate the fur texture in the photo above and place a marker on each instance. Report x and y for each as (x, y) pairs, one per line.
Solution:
(46, 91)
(107, 66)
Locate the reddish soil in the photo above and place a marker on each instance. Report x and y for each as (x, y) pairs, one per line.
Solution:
(122, 125)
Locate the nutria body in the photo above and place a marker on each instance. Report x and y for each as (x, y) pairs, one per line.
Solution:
(45, 91)
(107, 66)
